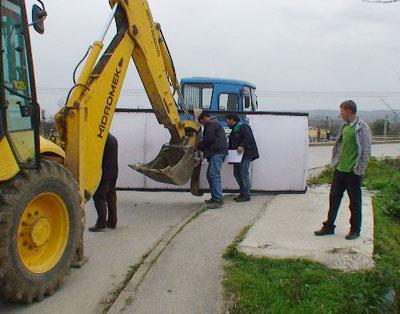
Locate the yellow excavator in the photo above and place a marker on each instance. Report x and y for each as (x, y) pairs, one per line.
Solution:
(44, 184)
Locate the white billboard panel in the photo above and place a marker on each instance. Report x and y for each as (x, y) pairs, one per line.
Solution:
(282, 140)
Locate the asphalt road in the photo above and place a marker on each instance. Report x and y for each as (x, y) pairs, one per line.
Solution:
(320, 156)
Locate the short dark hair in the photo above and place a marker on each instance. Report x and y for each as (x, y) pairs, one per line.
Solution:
(203, 115)
(349, 105)
(232, 116)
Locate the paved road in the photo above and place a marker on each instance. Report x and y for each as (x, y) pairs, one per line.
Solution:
(143, 220)
(321, 155)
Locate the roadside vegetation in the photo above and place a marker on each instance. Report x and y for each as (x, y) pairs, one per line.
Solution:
(298, 286)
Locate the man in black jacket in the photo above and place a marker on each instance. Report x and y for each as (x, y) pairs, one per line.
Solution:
(242, 140)
(106, 197)
(214, 145)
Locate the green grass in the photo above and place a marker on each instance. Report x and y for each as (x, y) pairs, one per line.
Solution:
(300, 286)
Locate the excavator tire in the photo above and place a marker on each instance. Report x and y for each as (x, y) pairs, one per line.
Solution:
(41, 220)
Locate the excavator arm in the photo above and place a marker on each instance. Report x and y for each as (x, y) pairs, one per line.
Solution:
(83, 124)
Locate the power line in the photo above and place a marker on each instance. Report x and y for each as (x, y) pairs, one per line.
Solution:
(260, 93)
(390, 107)
(62, 90)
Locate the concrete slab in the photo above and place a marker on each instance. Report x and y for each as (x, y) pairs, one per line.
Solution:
(287, 231)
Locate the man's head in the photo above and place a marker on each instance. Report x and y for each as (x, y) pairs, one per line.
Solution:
(204, 117)
(232, 119)
(348, 110)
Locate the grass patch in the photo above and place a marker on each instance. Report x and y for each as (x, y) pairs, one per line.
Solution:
(300, 286)
(323, 178)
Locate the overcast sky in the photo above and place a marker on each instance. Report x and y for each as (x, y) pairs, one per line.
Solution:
(347, 47)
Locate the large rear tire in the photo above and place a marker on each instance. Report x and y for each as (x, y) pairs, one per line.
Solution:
(41, 222)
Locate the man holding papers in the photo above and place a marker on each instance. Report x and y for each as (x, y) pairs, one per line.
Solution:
(243, 150)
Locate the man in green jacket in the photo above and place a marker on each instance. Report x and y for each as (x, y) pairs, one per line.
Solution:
(350, 159)
(242, 140)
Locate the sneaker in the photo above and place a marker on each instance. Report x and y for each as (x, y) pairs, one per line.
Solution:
(215, 205)
(242, 199)
(324, 231)
(352, 235)
(210, 201)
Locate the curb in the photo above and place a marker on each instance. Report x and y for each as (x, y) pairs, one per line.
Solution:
(127, 295)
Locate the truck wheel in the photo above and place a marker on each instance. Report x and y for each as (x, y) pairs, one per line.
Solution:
(41, 220)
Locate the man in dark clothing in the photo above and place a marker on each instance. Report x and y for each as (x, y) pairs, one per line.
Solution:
(106, 197)
(242, 140)
(214, 145)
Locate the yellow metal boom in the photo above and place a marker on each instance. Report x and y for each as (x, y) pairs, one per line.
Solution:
(85, 121)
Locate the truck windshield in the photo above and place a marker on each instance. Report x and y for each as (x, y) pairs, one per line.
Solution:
(198, 96)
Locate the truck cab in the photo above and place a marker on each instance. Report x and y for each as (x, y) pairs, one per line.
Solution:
(218, 95)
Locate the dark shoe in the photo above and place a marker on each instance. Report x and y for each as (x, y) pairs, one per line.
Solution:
(324, 231)
(210, 201)
(215, 205)
(242, 199)
(237, 197)
(111, 226)
(352, 235)
(96, 229)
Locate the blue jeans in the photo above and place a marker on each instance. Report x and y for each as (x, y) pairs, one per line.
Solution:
(242, 175)
(214, 176)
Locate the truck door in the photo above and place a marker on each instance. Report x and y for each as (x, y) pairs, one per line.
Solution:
(2, 129)
(246, 99)
(18, 100)
(254, 100)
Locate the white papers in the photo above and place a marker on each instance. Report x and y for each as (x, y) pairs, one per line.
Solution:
(234, 157)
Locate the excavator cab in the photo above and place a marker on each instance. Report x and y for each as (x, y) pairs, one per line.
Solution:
(19, 111)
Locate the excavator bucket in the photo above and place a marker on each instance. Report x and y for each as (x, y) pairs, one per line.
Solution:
(175, 164)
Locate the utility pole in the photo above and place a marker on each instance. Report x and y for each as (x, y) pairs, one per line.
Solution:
(385, 126)
(42, 124)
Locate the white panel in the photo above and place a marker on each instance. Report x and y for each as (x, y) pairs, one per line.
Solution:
(282, 141)
(283, 146)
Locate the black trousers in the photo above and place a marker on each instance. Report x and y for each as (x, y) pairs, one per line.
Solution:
(106, 198)
(352, 184)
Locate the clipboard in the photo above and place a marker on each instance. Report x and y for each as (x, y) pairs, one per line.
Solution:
(234, 157)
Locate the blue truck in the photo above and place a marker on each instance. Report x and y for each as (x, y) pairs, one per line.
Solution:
(218, 95)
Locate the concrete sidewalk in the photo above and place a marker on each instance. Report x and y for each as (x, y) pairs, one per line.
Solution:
(187, 276)
(287, 231)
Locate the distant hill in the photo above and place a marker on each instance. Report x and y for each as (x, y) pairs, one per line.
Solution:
(367, 116)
